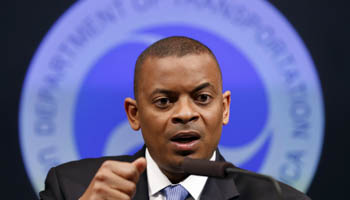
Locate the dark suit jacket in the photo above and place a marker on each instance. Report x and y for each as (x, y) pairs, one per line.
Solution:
(70, 180)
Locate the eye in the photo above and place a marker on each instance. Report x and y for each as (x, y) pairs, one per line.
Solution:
(203, 98)
(162, 102)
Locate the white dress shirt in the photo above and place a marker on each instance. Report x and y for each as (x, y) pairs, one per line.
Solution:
(157, 181)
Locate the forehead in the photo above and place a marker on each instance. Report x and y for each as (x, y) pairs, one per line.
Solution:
(179, 72)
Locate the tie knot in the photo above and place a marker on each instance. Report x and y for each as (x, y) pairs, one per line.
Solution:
(175, 192)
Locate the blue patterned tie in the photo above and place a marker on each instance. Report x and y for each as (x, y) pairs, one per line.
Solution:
(175, 192)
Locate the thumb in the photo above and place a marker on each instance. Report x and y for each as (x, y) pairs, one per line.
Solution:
(140, 164)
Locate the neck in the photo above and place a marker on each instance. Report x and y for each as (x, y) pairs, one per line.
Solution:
(175, 177)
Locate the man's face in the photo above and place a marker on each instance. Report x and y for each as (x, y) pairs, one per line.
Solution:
(180, 108)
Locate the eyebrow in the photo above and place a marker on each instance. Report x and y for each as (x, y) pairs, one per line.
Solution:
(198, 88)
(162, 91)
(202, 86)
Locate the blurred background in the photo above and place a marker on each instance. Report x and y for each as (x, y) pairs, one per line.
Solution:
(322, 25)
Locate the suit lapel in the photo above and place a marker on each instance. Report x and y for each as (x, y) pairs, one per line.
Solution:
(142, 185)
(142, 188)
(220, 189)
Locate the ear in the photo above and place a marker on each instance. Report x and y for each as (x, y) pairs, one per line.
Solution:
(226, 100)
(132, 112)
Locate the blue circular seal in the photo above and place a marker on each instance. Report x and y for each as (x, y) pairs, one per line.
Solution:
(72, 100)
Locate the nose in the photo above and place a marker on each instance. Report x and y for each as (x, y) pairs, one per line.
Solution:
(185, 112)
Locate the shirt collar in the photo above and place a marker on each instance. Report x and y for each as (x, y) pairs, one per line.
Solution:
(157, 180)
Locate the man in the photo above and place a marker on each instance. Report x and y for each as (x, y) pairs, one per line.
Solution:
(180, 108)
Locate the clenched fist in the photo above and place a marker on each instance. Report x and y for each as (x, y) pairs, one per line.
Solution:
(115, 180)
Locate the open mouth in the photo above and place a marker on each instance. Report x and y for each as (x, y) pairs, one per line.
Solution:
(185, 138)
(185, 142)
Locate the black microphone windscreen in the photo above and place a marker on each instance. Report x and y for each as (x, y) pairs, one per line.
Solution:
(205, 167)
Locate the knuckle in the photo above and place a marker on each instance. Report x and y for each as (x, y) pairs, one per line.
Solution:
(131, 176)
(131, 189)
(131, 173)
(106, 164)
(98, 189)
(100, 176)
(127, 198)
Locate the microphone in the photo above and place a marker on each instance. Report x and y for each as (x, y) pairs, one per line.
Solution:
(222, 170)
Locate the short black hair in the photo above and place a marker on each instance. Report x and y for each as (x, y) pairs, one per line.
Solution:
(178, 46)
